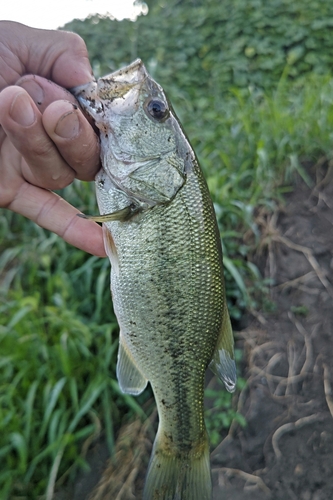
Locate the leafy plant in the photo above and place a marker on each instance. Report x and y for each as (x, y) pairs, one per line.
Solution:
(221, 412)
(239, 74)
(200, 47)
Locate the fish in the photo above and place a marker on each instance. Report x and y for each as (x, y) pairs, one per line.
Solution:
(168, 292)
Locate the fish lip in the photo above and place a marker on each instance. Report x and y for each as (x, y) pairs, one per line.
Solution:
(86, 92)
(87, 97)
(135, 71)
(117, 84)
(110, 87)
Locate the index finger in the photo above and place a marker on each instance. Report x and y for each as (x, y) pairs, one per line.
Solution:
(50, 211)
(60, 56)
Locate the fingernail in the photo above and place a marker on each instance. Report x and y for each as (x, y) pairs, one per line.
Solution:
(34, 90)
(68, 126)
(21, 110)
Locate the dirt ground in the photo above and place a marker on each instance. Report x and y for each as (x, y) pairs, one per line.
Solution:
(286, 450)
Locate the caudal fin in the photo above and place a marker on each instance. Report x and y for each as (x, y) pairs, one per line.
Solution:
(175, 477)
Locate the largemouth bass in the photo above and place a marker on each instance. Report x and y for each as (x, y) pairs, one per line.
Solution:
(167, 283)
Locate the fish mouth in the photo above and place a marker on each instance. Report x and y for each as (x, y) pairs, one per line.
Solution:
(118, 84)
(112, 89)
(133, 73)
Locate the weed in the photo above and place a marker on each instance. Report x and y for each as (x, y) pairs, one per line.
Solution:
(221, 411)
(58, 343)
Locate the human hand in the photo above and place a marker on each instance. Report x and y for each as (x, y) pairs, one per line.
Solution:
(45, 141)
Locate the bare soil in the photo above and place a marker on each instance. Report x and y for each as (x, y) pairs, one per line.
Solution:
(286, 450)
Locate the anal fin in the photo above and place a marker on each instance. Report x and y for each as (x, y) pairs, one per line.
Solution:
(130, 378)
(223, 361)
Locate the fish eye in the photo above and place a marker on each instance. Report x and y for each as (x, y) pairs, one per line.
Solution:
(157, 109)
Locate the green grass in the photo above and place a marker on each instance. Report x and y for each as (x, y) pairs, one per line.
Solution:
(251, 146)
(58, 334)
(58, 345)
(221, 410)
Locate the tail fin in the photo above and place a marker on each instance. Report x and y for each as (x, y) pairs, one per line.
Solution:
(178, 477)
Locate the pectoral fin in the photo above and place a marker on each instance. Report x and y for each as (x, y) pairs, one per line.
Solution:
(120, 215)
(130, 378)
(223, 362)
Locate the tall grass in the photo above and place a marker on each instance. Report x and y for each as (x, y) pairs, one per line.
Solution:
(58, 343)
(58, 333)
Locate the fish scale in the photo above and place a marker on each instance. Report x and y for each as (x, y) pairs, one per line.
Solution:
(167, 282)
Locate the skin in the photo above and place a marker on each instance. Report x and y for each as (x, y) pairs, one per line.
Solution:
(45, 141)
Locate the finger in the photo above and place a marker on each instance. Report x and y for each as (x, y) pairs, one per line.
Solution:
(23, 125)
(60, 56)
(74, 138)
(51, 212)
(44, 91)
(80, 151)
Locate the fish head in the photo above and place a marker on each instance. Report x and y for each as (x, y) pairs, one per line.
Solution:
(139, 133)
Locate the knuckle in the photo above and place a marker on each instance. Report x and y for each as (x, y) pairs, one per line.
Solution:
(77, 44)
(5, 198)
(88, 154)
(64, 180)
(52, 179)
(82, 154)
(41, 149)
